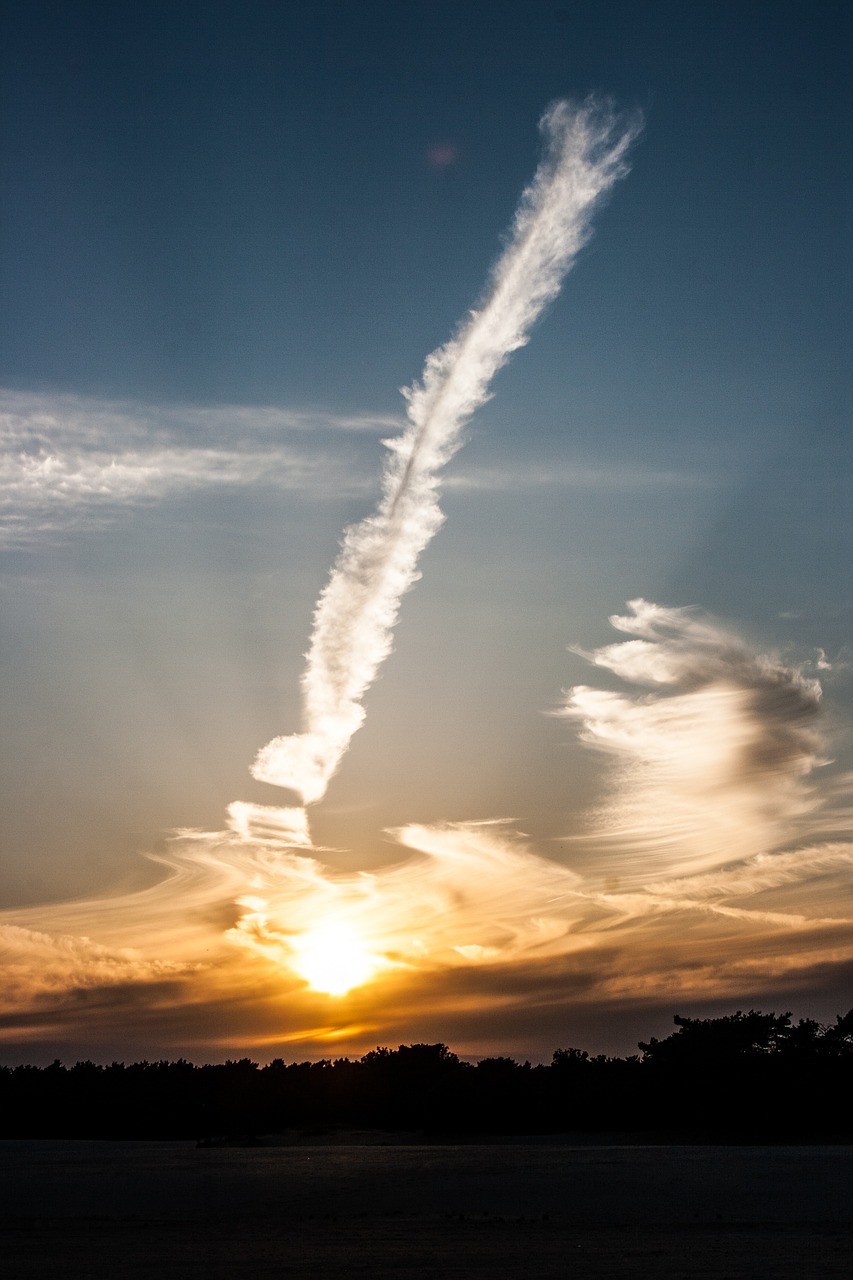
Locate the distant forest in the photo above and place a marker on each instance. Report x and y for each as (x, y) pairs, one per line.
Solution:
(745, 1077)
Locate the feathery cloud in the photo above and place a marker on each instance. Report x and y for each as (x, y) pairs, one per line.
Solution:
(69, 462)
(712, 763)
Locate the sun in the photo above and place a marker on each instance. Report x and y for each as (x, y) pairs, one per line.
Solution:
(333, 959)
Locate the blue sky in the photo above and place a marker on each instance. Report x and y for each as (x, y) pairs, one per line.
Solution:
(231, 234)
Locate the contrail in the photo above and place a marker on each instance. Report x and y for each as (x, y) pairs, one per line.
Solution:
(585, 154)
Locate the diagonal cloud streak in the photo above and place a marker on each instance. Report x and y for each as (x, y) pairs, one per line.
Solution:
(585, 155)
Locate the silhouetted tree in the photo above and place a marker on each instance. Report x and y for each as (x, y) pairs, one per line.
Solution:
(752, 1076)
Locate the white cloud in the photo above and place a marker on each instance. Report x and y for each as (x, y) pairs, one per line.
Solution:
(37, 964)
(69, 462)
(516, 478)
(358, 609)
(712, 765)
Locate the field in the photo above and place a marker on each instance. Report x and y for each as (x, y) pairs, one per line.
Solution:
(111, 1211)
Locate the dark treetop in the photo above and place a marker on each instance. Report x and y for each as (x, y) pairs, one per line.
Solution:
(745, 1077)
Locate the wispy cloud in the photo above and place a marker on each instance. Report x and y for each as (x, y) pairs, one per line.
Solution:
(616, 478)
(70, 462)
(712, 761)
(474, 892)
(238, 909)
(705, 877)
(37, 964)
(717, 864)
(40, 418)
(470, 922)
(358, 609)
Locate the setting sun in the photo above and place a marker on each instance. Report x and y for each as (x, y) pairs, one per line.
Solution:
(333, 959)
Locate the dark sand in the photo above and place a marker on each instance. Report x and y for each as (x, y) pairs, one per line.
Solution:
(110, 1211)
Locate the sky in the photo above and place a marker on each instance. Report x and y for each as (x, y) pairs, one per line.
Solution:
(514, 711)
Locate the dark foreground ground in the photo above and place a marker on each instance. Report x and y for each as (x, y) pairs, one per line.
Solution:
(111, 1211)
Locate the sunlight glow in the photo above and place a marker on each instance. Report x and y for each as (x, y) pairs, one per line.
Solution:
(333, 959)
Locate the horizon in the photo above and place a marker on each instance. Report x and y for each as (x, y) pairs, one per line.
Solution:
(465, 1060)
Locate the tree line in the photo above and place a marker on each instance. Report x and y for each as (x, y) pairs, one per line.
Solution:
(743, 1077)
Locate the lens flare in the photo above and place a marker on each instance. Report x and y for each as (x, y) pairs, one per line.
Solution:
(333, 959)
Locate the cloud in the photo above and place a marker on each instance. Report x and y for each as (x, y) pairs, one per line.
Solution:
(70, 462)
(37, 965)
(268, 825)
(524, 478)
(473, 892)
(238, 909)
(472, 927)
(712, 762)
(586, 151)
(717, 864)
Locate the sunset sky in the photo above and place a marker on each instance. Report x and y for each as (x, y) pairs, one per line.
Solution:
(544, 772)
